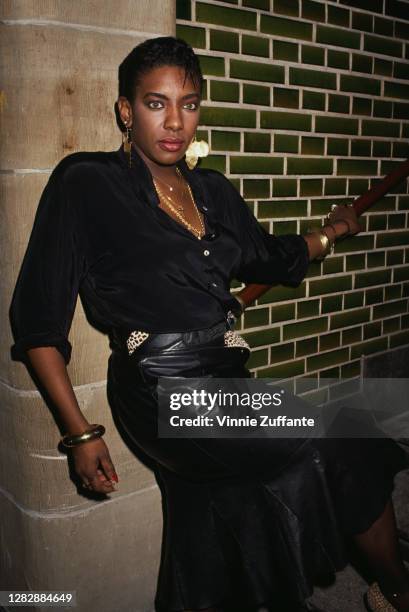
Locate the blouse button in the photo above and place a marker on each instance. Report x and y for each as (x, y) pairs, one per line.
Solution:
(214, 285)
(206, 253)
(205, 208)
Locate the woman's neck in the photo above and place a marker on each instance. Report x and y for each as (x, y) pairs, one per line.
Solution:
(166, 173)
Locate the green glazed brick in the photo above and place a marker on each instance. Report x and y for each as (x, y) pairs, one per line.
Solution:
(348, 167)
(223, 40)
(351, 335)
(401, 274)
(322, 207)
(256, 188)
(381, 149)
(284, 143)
(392, 239)
(313, 100)
(257, 359)
(335, 186)
(228, 117)
(396, 90)
(308, 308)
(256, 94)
(393, 292)
(372, 330)
(183, 9)
(283, 352)
(212, 65)
(224, 91)
(400, 149)
(310, 187)
(313, 10)
(338, 59)
(285, 121)
(383, 204)
(214, 162)
(288, 98)
(281, 293)
(257, 142)
(287, 370)
(360, 85)
(333, 265)
(330, 341)
(355, 262)
(383, 67)
(402, 30)
(378, 277)
(383, 26)
(373, 296)
(403, 203)
(361, 106)
(338, 104)
(337, 146)
(405, 130)
(331, 304)
(399, 339)
(305, 165)
(362, 21)
(220, 15)
(289, 28)
(380, 128)
(361, 148)
(284, 227)
(397, 221)
(351, 369)
(394, 258)
(255, 45)
(256, 317)
(354, 299)
(329, 358)
(260, 338)
(281, 209)
(202, 135)
(312, 55)
(376, 259)
(330, 285)
(312, 78)
(285, 51)
(306, 347)
(284, 188)
(376, 6)
(264, 5)
(256, 71)
(284, 312)
(287, 7)
(385, 46)
(381, 311)
(371, 346)
(377, 222)
(225, 141)
(256, 165)
(400, 71)
(305, 328)
(336, 125)
(196, 37)
(382, 108)
(361, 63)
(338, 16)
(389, 326)
(352, 317)
(338, 37)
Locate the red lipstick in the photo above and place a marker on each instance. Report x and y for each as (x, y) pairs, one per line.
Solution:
(171, 144)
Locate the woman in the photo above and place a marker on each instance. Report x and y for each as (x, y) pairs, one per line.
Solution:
(151, 247)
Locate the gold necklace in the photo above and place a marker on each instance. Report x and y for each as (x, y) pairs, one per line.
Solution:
(168, 201)
(180, 179)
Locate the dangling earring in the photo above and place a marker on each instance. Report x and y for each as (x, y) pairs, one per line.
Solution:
(195, 150)
(127, 142)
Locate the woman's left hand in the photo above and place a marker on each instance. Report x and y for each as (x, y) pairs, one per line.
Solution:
(344, 212)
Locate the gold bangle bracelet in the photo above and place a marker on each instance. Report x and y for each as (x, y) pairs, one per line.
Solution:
(95, 431)
(327, 245)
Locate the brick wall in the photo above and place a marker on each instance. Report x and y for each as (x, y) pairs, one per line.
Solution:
(306, 104)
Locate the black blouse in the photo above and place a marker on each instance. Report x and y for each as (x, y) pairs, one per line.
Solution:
(99, 232)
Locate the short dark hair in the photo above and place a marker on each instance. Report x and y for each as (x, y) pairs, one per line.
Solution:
(153, 53)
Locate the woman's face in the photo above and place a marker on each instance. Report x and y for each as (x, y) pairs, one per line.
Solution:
(164, 115)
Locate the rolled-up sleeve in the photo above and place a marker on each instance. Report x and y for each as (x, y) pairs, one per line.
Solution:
(266, 258)
(46, 291)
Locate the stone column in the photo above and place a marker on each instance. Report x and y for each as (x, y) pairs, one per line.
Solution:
(59, 83)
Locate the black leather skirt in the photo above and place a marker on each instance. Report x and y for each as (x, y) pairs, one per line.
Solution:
(247, 522)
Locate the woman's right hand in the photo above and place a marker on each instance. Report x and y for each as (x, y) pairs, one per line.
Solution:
(94, 466)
